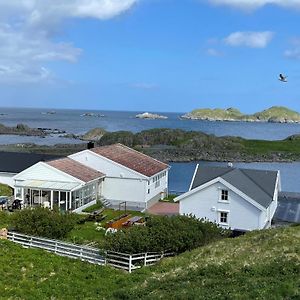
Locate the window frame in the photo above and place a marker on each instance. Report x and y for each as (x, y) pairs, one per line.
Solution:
(220, 212)
(221, 196)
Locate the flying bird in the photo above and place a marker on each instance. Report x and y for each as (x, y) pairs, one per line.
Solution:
(282, 78)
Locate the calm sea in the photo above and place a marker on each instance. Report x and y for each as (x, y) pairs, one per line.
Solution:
(72, 121)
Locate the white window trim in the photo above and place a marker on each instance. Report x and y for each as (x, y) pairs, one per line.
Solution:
(219, 217)
(220, 196)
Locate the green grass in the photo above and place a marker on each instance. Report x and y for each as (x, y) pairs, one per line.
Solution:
(87, 233)
(94, 207)
(264, 147)
(259, 265)
(5, 190)
(5, 219)
(170, 198)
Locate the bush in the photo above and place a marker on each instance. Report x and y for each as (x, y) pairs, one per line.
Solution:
(176, 234)
(44, 222)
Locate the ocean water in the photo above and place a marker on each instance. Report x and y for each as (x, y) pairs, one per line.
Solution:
(181, 174)
(72, 121)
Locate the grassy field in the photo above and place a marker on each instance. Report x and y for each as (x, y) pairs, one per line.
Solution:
(289, 146)
(259, 265)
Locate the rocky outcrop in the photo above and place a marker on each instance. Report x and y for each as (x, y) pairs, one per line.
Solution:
(147, 115)
(275, 114)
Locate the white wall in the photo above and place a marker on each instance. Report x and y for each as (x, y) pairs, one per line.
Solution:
(121, 189)
(163, 186)
(104, 165)
(205, 204)
(7, 178)
(121, 183)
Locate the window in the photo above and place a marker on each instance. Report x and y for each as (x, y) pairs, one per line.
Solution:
(223, 217)
(224, 195)
(148, 191)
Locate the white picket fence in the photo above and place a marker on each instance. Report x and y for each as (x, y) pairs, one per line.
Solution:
(124, 261)
(131, 262)
(85, 253)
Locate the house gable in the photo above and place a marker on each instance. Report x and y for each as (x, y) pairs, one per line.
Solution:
(206, 203)
(225, 183)
(44, 172)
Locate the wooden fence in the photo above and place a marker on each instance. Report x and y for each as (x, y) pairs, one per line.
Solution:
(124, 261)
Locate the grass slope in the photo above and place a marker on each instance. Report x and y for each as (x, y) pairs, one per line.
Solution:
(217, 113)
(274, 113)
(5, 190)
(259, 265)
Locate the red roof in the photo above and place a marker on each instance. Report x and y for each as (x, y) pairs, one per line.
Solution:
(75, 169)
(131, 159)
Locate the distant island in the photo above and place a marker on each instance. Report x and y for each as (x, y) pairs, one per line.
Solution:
(147, 115)
(274, 114)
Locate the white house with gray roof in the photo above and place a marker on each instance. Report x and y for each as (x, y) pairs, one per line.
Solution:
(240, 199)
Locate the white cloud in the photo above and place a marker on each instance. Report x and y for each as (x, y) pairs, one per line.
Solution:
(295, 52)
(28, 33)
(249, 39)
(249, 5)
(214, 52)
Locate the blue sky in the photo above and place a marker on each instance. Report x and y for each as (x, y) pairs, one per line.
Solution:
(150, 55)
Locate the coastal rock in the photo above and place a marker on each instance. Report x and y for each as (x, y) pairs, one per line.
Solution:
(89, 114)
(275, 114)
(147, 115)
(94, 134)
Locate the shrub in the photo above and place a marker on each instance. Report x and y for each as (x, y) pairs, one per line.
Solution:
(44, 222)
(176, 234)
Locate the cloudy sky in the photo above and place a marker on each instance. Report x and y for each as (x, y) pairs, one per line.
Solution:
(154, 55)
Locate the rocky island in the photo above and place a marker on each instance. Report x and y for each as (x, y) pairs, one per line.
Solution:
(180, 146)
(147, 115)
(275, 114)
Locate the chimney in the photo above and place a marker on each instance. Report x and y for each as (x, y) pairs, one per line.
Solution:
(90, 145)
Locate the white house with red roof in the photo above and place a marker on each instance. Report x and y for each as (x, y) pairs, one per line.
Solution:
(116, 174)
(131, 176)
(62, 182)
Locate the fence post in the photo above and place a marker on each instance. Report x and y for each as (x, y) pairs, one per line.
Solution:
(31, 242)
(55, 249)
(81, 253)
(145, 259)
(130, 262)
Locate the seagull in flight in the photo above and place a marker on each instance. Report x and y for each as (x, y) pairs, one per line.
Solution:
(282, 78)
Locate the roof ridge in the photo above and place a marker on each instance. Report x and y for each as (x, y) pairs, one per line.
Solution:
(142, 154)
(255, 181)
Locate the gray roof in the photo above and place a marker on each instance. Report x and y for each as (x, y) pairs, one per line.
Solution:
(259, 185)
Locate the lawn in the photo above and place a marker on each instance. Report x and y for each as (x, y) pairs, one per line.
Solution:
(260, 265)
(87, 233)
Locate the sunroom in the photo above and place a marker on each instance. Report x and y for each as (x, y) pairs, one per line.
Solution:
(62, 183)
